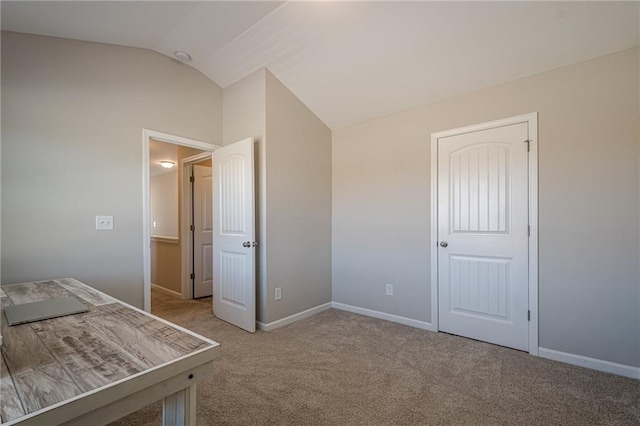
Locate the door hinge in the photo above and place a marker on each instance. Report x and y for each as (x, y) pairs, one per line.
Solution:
(528, 142)
(191, 179)
(193, 276)
(528, 315)
(192, 228)
(528, 230)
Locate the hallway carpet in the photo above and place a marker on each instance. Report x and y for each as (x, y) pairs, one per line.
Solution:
(338, 368)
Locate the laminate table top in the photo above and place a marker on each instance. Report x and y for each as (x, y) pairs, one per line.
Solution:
(101, 364)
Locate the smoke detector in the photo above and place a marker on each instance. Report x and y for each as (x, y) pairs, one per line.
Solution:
(182, 56)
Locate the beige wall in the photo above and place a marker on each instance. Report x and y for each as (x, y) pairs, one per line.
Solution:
(243, 109)
(163, 204)
(74, 112)
(299, 204)
(165, 264)
(293, 192)
(588, 203)
(243, 115)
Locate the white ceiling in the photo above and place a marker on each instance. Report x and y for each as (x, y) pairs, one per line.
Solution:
(351, 61)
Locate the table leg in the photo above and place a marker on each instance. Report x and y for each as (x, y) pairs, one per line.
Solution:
(179, 409)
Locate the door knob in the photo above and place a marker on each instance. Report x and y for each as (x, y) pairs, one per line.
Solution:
(246, 244)
(443, 243)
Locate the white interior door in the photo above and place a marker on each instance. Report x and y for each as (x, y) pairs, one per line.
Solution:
(202, 232)
(234, 243)
(483, 235)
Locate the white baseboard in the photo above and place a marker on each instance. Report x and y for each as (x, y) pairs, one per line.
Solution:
(384, 316)
(592, 363)
(166, 290)
(292, 318)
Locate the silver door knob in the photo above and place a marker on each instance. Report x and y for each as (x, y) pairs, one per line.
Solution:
(443, 243)
(246, 244)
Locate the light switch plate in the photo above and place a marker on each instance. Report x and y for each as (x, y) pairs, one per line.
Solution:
(104, 223)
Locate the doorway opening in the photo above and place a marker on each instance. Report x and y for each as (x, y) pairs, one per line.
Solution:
(166, 226)
(233, 232)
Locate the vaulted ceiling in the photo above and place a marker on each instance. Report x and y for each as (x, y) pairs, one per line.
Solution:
(350, 61)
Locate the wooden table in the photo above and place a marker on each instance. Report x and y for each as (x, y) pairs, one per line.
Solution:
(95, 367)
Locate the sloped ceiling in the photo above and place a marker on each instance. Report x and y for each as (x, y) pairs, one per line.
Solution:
(351, 61)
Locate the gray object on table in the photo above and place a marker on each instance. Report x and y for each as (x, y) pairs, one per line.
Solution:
(46, 309)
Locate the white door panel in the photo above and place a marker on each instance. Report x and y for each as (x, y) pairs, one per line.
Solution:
(483, 218)
(203, 231)
(234, 244)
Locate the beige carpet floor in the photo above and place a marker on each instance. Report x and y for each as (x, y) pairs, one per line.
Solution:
(338, 368)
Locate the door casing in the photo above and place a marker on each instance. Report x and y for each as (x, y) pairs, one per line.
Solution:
(532, 122)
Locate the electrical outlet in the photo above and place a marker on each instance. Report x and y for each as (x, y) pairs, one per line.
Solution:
(389, 289)
(278, 293)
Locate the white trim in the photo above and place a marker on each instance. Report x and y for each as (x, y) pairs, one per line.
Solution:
(186, 250)
(293, 318)
(524, 118)
(166, 290)
(532, 123)
(592, 363)
(163, 239)
(434, 233)
(146, 238)
(384, 316)
(194, 159)
(179, 140)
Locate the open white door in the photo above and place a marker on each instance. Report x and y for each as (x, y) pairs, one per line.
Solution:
(202, 232)
(234, 294)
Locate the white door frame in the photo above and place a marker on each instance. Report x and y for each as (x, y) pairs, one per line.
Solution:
(186, 207)
(532, 122)
(147, 135)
